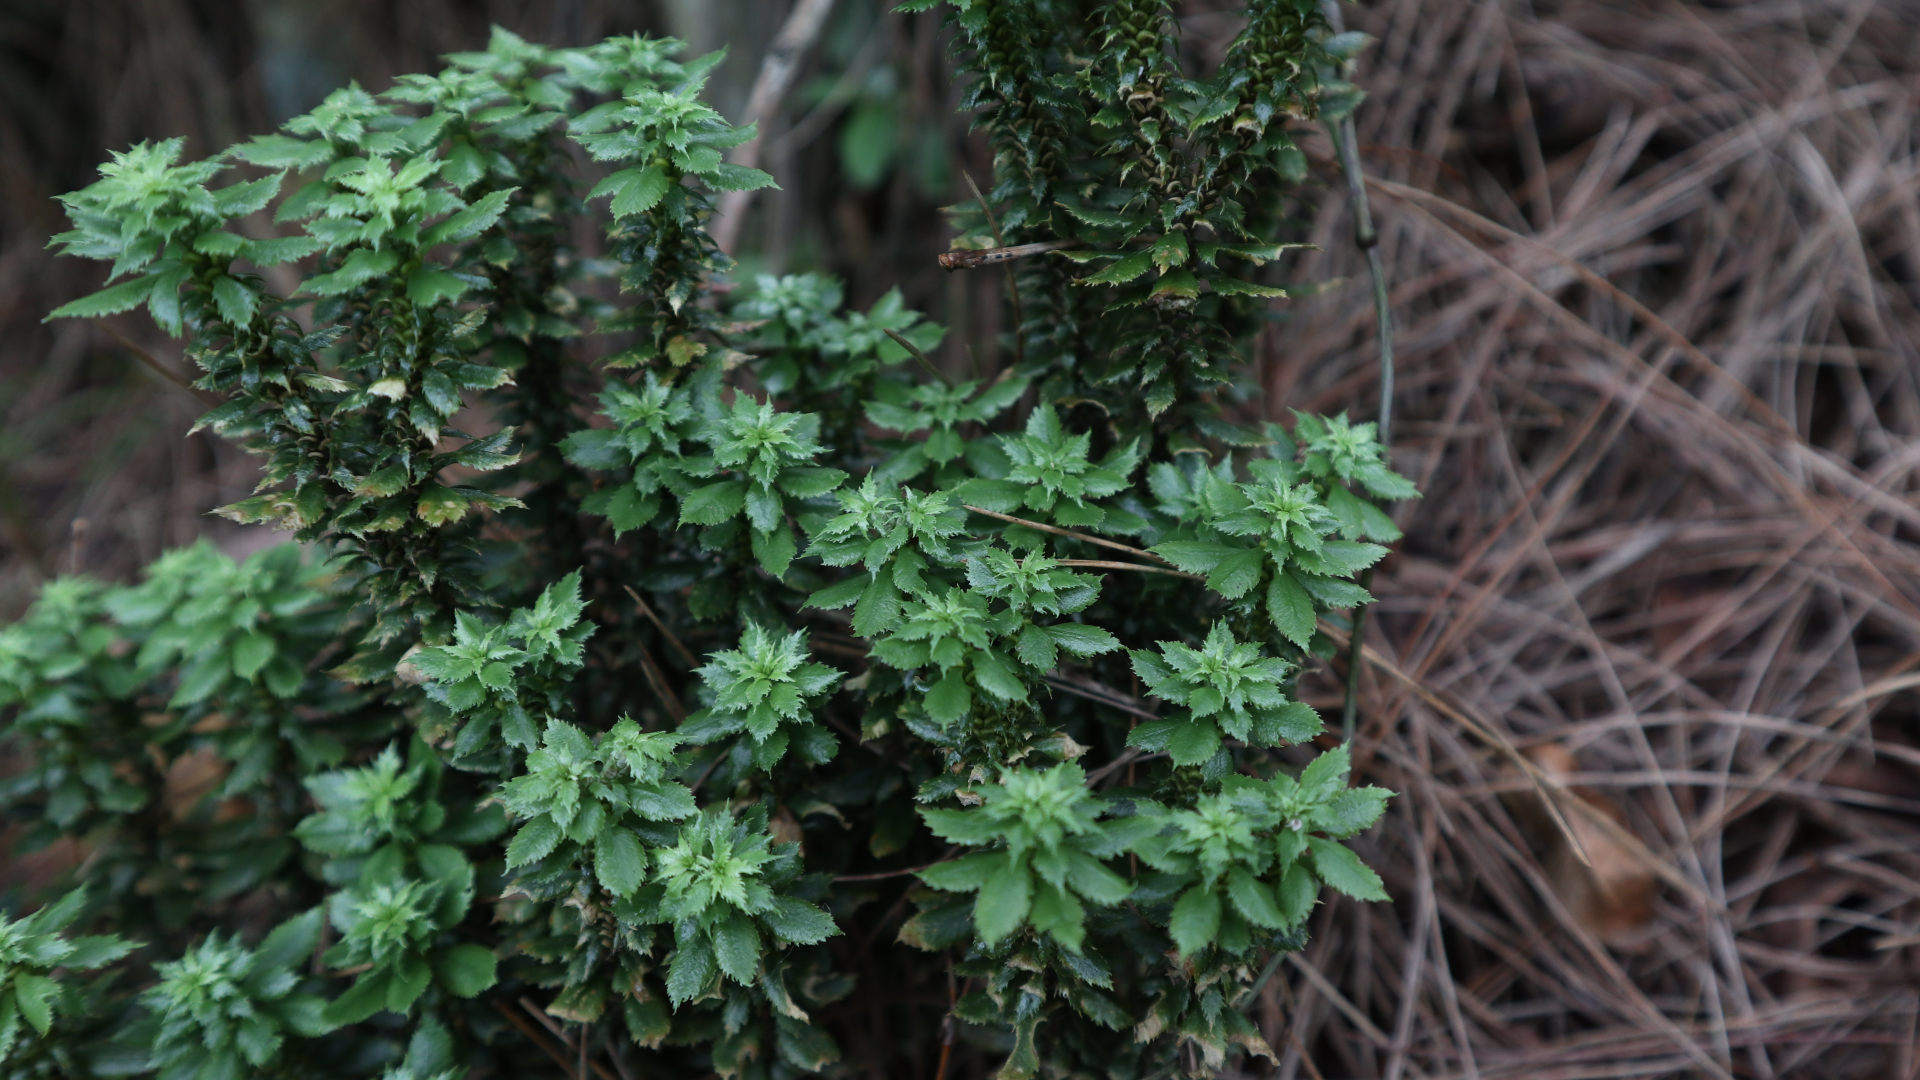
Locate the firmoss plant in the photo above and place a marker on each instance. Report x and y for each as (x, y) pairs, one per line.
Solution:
(657, 669)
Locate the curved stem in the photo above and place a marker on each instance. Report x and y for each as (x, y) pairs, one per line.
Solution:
(1346, 143)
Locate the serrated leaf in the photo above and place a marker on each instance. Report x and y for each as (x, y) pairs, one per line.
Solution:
(688, 970)
(1291, 609)
(440, 506)
(1252, 899)
(840, 594)
(638, 191)
(1122, 271)
(1193, 742)
(1337, 865)
(35, 995)
(535, 840)
(966, 873)
(108, 301)
(619, 861)
(993, 676)
(1005, 898)
(1196, 920)
(879, 607)
(251, 651)
(727, 176)
(714, 503)
(465, 970)
(949, 700)
(736, 945)
(236, 302)
(798, 922)
(470, 222)
(1236, 574)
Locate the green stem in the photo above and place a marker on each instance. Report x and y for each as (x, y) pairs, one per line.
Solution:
(1346, 144)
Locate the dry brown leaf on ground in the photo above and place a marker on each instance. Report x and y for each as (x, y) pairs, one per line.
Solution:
(1610, 892)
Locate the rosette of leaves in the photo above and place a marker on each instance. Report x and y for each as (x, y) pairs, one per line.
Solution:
(395, 935)
(953, 632)
(664, 137)
(591, 810)
(159, 222)
(223, 1010)
(1047, 847)
(1052, 477)
(770, 456)
(1001, 649)
(588, 804)
(649, 422)
(762, 691)
(1034, 584)
(891, 532)
(987, 637)
(1342, 456)
(1247, 860)
(1304, 566)
(386, 821)
(32, 951)
(723, 888)
(1227, 689)
(941, 411)
(502, 681)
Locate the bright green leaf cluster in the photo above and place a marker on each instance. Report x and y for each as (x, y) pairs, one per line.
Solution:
(1053, 476)
(1246, 859)
(1047, 850)
(719, 887)
(392, 932)
(499, 679)
(580, 798)
(763, 689)
(1227, 688)
(385, 821)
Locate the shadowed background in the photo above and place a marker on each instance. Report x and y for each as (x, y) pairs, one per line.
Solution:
(1654, 267)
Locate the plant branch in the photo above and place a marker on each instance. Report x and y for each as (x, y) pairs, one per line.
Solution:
(686, 655)
(1103, 694)
(161, 369)
(973, 258)
(533, 1036)
(777, 70)
(1105, 564)
(900, 340)
(1058, 531)
(1013, 287)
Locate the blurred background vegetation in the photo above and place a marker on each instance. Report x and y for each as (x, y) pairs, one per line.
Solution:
(93, 472)
(1656, 267)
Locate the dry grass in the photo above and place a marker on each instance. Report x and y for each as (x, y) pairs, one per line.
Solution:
(1654, 271)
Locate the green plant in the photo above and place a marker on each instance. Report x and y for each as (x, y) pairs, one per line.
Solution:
(470, 763)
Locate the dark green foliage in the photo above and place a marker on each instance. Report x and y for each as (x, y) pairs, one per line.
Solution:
(470, 760)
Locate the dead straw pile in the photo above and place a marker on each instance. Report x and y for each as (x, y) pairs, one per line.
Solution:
(1646, 670)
